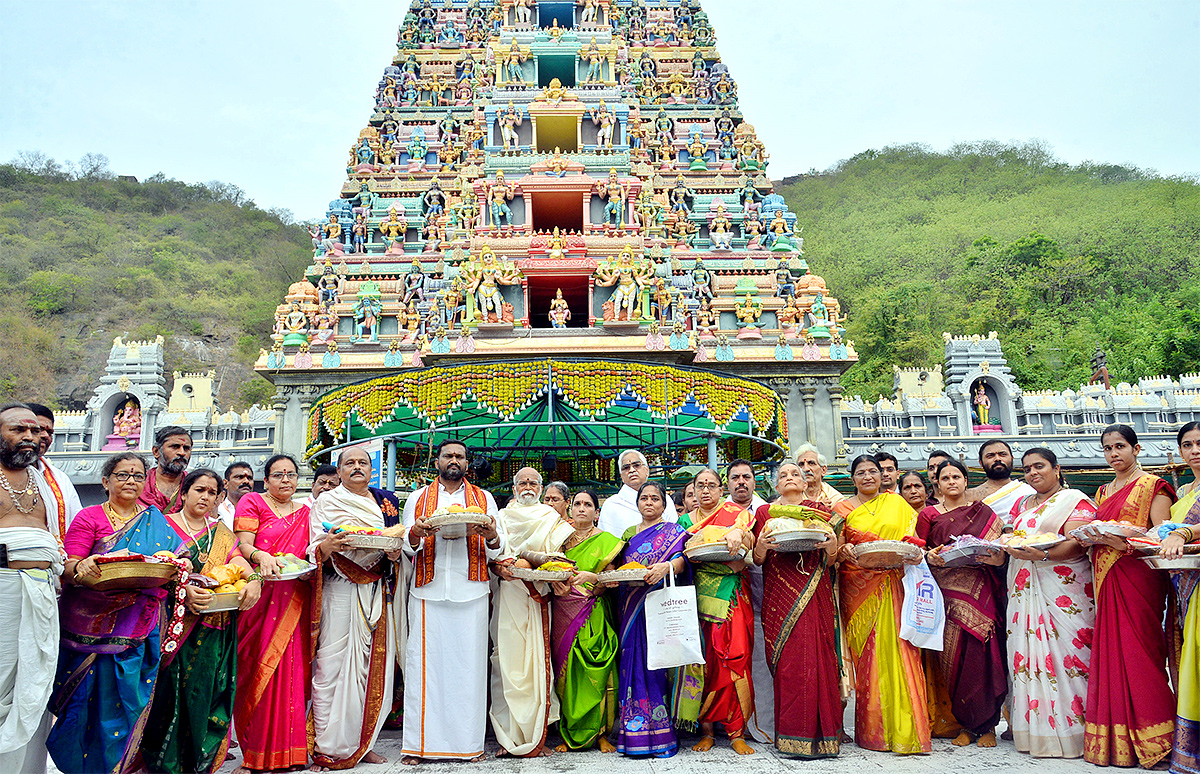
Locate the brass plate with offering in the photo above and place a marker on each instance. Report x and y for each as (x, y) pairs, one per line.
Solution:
(1090, 533)
(130, 571)
(886, 554)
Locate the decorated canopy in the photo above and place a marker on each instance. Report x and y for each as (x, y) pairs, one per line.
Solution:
(566, 409)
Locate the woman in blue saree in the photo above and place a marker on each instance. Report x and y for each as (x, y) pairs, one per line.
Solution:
(109, 656)
(645, 727)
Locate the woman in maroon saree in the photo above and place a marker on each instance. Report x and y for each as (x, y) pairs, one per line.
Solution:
(1130, 717)
(799, 617)
(973, 664)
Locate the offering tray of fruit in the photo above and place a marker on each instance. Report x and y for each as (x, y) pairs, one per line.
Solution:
(222, 602)
(456, 514)
(554, 570)
(1090, 533)
(965, 550)
(1042, 541)
(132, 571)
(1185, 562)
(793, 535)
(291, 567)
(390, 539)
(709, 546)
(631, 574)
(886, 554)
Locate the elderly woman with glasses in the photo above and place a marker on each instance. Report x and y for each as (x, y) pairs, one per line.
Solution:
(274, 637)
(110, 653)
(620, 512)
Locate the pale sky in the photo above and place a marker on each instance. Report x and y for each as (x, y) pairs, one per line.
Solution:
(270, 96)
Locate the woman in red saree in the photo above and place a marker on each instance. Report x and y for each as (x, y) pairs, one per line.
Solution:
(973, 663)
(799, 615)
(890, 711)
(726, 619)
(274, 637)
(1130, 716)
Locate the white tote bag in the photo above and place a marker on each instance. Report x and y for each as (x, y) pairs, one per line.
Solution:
(923, 615)
(672, 626)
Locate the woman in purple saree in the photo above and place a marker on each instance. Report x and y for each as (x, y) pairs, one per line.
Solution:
(645, 726)
(109, 657)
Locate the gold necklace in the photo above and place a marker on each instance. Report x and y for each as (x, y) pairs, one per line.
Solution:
(1038, 503)
(575, 540)
(116, 519)
(187, 525)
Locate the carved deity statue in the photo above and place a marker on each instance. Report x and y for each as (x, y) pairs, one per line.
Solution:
(615, 193)
(560, 312)
(500, 193)
(630, 277)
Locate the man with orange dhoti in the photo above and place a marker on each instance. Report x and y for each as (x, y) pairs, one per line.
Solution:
(357, 617)
(726, 621)
(524, 702)
(445, 677)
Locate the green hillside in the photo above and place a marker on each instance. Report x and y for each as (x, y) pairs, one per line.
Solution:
(1055, 258)
(86, 256)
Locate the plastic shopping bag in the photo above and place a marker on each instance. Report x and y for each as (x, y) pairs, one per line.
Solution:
(672, 626)
(923, 615)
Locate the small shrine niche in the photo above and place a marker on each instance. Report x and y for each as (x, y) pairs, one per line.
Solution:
(561, 14)
(560, 66)
(126, 424)
(544, 298)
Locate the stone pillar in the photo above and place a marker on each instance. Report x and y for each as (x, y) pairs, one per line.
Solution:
(784, 388)
(835, 391)
(279, 403)
(808, 391)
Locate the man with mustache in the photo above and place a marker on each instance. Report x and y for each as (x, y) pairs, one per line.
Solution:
(325, 478)
(620, 512)
(30, 560)
(172, 451)
(1000, 491)
(524, 702)
(239, 480)
(739, 482)
(62, 497)
(360, 610)
(445, 666)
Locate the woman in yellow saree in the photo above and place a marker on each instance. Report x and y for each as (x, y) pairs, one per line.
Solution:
(1185, 749)
(889, 685)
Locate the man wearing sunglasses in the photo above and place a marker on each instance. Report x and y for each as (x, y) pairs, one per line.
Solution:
(620, 511)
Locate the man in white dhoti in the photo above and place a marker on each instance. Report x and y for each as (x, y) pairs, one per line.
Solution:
(1001, 491)
(620, 511)
(30, 562)
(524, 702)
(58, 491)
(353, 673)
(445, 677)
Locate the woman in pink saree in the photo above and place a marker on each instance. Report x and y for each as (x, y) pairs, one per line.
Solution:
(274, 637)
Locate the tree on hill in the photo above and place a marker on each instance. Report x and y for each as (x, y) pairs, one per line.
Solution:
(88, 256)
(1058, 259)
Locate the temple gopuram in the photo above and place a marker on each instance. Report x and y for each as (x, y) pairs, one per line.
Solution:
(556, 240)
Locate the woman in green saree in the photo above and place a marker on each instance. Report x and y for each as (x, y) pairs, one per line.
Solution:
(583, 641)
(188, 730)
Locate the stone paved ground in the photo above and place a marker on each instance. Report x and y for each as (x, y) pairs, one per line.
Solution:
(945, 758)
